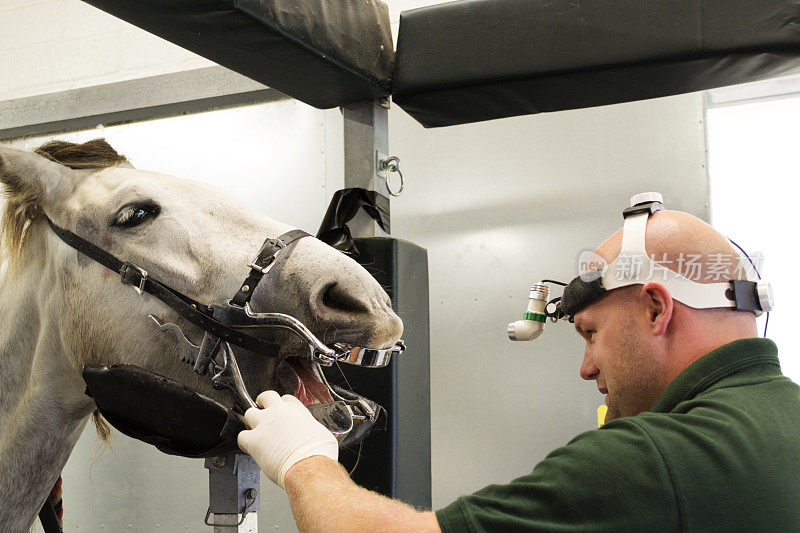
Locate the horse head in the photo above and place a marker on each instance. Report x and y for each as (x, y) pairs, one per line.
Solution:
(63, 310)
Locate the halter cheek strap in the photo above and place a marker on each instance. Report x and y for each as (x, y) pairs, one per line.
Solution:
(193, 311)
(633, 266)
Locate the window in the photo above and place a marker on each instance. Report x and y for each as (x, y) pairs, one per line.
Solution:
(754, 147)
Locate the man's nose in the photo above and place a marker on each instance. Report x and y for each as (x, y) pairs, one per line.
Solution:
(589, 370)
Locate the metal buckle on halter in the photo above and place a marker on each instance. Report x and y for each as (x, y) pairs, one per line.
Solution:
(123, 271)
(271, 260)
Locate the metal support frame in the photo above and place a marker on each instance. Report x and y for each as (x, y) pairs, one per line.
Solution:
(162, 96)
(366, 142)
(234, 493)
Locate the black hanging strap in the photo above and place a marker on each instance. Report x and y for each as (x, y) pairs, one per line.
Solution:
(344, 206)
(193, 311)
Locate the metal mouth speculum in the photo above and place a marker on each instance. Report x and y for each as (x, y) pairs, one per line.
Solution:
(219, 354)
(321, 353)
(226, 376)
(367, 357)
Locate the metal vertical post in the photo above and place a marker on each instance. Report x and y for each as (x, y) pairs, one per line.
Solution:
(234, 488)
(366, 142)
(395, 462)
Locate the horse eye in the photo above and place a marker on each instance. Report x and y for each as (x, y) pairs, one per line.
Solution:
(133, 215)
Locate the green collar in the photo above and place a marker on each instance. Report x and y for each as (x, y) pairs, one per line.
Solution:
(714, 366)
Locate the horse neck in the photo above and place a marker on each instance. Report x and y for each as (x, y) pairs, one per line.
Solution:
(42, 407)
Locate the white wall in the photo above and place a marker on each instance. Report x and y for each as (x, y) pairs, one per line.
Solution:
(56, 45)
(498, 205)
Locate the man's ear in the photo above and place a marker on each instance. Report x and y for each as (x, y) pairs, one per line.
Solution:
(29, 179)
(659, 304)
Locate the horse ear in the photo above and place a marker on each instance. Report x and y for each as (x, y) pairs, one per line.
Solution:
(31, 181)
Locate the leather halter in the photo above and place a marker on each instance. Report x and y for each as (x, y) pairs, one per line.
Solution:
(198, 314)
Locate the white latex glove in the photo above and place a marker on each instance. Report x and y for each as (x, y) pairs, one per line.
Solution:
(283, 432)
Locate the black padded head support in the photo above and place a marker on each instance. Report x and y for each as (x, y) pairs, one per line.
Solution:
(160, 411)
(580, 293)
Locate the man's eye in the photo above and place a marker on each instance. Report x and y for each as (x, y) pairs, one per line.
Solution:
(133, 215)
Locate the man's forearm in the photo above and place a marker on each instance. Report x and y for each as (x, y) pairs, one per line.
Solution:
(324, 498)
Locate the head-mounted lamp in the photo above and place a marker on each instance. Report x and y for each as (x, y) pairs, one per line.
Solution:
(633, 266)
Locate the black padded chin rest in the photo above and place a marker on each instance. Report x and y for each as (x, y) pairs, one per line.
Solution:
(162, 412)
(326, 53)
(474, 60)
(180, 421)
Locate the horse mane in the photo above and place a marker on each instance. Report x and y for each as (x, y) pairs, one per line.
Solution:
(21, 204)
(22, 208)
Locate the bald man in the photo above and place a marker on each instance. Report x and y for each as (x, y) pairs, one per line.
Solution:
(702, 431)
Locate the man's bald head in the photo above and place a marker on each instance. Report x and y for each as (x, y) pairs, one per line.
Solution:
(675, 237)
(638, 338)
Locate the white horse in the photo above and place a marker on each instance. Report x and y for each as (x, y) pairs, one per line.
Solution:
(60, 310)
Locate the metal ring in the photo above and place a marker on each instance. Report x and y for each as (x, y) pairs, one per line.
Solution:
(392, 164)
(402, 182)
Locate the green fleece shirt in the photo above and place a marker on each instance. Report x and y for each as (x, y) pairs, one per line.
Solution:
(719, 451)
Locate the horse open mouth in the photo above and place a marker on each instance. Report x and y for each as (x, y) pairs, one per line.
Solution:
(346, 414)
(297, 376)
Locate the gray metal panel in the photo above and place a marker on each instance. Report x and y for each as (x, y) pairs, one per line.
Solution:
(366, 133)
(140, 99)
(499, 205)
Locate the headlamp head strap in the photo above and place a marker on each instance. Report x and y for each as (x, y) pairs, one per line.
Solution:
(633, 266)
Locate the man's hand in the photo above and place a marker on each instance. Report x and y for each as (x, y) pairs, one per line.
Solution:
(283, 432)
(323, 496)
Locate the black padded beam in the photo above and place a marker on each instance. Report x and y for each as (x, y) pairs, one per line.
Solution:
(326, 53)
(474, 60)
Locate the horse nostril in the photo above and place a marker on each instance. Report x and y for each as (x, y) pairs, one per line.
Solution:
(340, 299)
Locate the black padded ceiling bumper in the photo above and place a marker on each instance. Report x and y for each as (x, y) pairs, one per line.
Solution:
(476, 60)
(326, 53)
